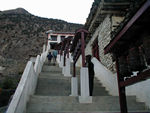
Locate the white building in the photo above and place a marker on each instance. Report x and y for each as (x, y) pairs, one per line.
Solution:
(57, 37)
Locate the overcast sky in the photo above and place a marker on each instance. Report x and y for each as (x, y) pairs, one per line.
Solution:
(75, 11)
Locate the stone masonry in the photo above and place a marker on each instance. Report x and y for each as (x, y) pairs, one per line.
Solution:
(103, 33)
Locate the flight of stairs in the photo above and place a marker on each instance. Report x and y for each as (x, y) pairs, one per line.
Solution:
(53, 90)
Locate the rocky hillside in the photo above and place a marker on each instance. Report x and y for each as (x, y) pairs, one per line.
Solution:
(22, 35)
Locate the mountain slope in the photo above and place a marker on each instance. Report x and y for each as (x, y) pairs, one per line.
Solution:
(16, 11)
(23, 35)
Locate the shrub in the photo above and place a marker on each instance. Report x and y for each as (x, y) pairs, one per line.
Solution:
(9, 83)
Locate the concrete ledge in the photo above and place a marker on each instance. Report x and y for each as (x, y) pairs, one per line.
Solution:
(63, 70)
(58, 59)
(83, 99)
(67, 68)
(84, 81)
(74, 86)
(61, 62)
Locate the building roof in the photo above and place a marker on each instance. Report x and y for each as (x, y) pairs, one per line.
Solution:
(59, 32)
(77, 37)
(101, 8)
(133, 27)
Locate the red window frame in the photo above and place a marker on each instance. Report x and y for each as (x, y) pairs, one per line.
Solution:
(95, 50)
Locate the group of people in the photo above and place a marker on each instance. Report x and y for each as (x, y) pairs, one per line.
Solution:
(52, 55)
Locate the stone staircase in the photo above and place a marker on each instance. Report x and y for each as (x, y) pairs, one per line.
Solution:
(53, 90)
(52, 83)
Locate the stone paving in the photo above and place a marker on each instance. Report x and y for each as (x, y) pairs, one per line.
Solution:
(53, 90)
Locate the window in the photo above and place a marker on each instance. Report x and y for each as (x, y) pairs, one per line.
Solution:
(71, 37)
(95, 49)
(62, 38)
(54, 37)
(53, 45)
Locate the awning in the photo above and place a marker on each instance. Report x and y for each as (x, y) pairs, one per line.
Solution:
(132, 31)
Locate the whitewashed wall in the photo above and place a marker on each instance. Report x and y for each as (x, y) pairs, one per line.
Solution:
(105, 71)
(106, 77)
(79, 62)
(109, 81)
(27, 85)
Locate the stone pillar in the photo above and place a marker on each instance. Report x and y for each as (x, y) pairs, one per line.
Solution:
(44, 47)
(84, 86)
(67, 68)
(61, 62)
(58, 59)
(48, 46)
(74, 86)
(63, 70)
(58, 38)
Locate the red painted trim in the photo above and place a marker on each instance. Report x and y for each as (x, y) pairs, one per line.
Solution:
(64, 59)
(121, 90)
(62, 34)
(77, 56)
(83, 49)
(95, 50)
(127, 26)
(140, 77)
(82, 30)
(74, 69)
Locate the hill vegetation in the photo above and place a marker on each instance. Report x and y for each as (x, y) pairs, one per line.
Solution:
(22, 35)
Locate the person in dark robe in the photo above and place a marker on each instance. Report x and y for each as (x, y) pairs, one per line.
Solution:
(90, 66)
(49, 56)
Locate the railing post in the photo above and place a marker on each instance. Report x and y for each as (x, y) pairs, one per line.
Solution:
(27, 85)
(60, 54)
(37, 64)
(122, 91)
(74, 69)
(84, 75)
(44, 47)
(74, 82)
(83, 49)
(64, 63)
(68, 44)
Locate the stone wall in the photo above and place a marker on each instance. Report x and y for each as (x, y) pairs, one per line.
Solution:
(104, 38)
(88, 49)
(103, 33)
(105, 70)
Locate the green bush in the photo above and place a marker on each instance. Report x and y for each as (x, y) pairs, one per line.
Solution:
(9, 83)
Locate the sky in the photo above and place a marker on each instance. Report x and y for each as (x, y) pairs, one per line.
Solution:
(75, 11)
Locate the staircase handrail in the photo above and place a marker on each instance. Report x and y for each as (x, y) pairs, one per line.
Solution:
(27, 85)
(78, 47)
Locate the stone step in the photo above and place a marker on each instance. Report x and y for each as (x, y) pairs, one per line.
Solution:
(53, 86)
(59, 75)
(98, 90)
(85, 112)
(45, 81)
(59, 91)
(74, 99)
(56, 99)
(51, 69)
(68, 104)
(53, 76)
(53, 90)
(50, 64)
